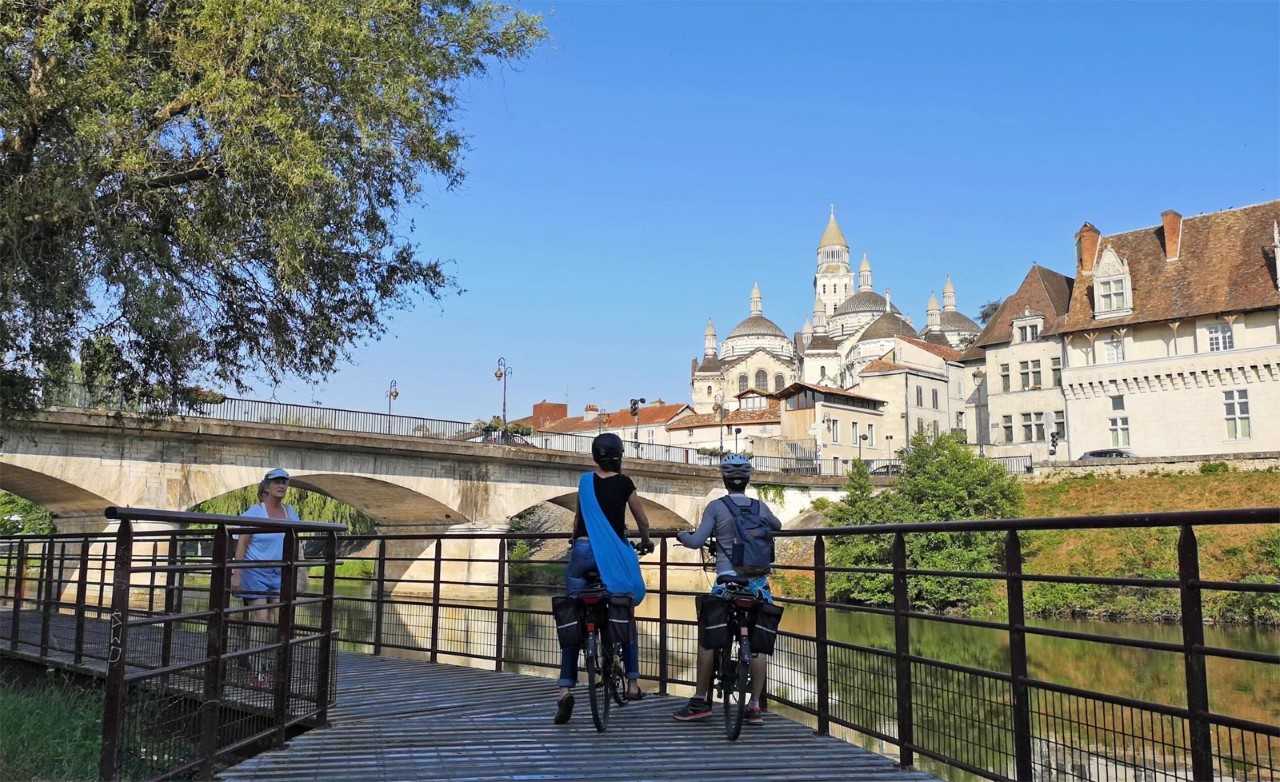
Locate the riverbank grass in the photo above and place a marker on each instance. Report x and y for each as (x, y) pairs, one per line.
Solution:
(49, 729)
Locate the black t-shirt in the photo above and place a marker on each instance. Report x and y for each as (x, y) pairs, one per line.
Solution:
(612, 493)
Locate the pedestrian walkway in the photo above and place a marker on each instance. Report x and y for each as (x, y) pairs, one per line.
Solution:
(408, 720)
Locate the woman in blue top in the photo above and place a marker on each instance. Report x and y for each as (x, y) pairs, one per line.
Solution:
(262, 584)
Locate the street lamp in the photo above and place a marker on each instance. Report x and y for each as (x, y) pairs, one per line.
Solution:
(503, 372)
(719, 411)
(861, 440)
(737, 430)
(635, 413)
(393, 392)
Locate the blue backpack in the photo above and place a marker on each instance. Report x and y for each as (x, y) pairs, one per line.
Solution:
(752, 552)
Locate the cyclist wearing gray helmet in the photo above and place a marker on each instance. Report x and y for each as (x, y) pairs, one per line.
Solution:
(718, 520)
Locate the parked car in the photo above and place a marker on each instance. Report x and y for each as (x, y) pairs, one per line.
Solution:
(1107, 453)
(888, 469)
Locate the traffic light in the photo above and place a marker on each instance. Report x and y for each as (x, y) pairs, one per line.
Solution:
(1053, 443)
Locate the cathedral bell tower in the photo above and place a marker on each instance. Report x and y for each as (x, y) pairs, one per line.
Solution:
(833, 282)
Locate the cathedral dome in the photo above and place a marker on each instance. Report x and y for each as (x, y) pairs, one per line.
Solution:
(952, 320)
(863, 301)
(757, 326)
(886, 326)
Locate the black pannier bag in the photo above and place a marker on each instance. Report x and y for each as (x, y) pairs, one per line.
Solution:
(568, 622)
(713, 622)
(764, 633)
(622, 626)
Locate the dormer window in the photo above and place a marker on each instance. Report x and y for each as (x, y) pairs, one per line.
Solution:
(1027, 326)
(1112, 289)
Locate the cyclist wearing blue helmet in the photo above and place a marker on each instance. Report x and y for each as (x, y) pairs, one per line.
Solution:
(719, 521)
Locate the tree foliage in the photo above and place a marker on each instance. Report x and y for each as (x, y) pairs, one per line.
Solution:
(988, 311)
(941, 480)
(204, 191)
(18, 515)
(311, 506)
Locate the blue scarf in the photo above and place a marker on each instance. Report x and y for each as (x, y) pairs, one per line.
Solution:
(617, 562)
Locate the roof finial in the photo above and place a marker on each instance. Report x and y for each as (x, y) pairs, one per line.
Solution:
(833, 210)
(757, 305)
(949, 295)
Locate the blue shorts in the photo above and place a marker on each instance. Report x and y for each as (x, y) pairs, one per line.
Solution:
(759, 586)
(259, 583)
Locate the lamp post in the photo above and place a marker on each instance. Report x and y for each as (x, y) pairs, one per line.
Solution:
(393, 392)
(502, 373)
(737, 430)
(861, 440)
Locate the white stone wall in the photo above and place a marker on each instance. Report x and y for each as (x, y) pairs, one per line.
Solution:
(1016, 402)
(1175, 406)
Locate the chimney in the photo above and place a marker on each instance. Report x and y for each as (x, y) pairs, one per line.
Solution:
(1086, 248)
(590, 413)
(1172, 222)
(545, 412)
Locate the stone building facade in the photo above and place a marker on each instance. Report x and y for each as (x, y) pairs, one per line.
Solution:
(1166, 342)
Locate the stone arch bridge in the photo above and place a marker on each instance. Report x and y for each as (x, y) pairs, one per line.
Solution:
(76, 463)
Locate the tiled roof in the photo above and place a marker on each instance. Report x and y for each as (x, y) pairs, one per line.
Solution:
(883, 365)
(791, 389)
(887, 325)
(1225, 263)
(771, 414)
(757, 326)
(710, 364)
(650, 415)
(954, 320)
(821, 342)
(944, 352)
(1043, 291)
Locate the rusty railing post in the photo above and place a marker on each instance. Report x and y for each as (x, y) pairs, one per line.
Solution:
(1193, 655)
(215, 648)
(501, 620)
(663, 673)
(284, 634)
(820, 634)
(902, 652)
(379, 607)
(326, 627)
(117, 694)
(166, 628)
(46, 594)
(82, 586)
(19, 593)
(435, 603)
(1018, 657)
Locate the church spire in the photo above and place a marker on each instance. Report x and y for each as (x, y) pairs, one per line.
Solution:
(864, 273)
(832, 236)
(933, 316)
(709, 340)
(949, 296)
(757, 304)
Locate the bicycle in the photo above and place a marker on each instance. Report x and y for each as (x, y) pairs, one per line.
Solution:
(606, 661)
(732, 676)
(606, 671)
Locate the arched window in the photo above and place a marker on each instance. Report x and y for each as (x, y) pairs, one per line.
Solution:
(742, 382)
(779, 382)
(762, 380)
(824, 290)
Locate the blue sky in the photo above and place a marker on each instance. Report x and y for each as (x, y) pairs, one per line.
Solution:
(651, 161)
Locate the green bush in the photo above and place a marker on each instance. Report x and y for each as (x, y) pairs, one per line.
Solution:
(1214, 468)
(941, 480)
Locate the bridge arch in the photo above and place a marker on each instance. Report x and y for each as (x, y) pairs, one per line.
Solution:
(660, 516)
(74, 509)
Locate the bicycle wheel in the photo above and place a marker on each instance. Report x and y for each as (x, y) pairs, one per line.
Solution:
(736, 687)
(596, 684)
(618, 676)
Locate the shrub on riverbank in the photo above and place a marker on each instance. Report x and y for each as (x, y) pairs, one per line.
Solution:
(49, 730)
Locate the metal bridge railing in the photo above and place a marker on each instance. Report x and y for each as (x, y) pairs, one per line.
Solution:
(467, 598)
(191, 679)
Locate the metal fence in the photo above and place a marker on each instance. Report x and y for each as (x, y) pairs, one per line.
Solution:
(190, 679)
(467, 598)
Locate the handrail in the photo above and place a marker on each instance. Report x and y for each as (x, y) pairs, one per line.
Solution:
(186, 517)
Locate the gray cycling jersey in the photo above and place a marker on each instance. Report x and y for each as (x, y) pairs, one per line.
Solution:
(717, 518)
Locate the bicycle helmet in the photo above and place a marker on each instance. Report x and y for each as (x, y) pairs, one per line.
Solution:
(736, 471)
(606, 450)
